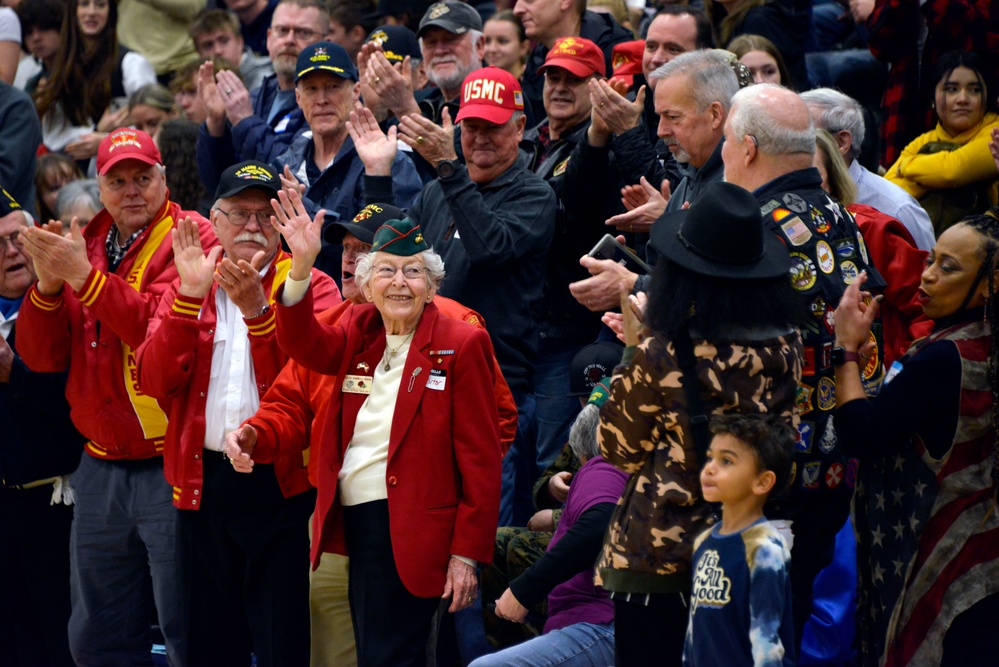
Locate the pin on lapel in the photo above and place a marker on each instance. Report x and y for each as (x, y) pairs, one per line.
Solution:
(364, 366)
(412, 378)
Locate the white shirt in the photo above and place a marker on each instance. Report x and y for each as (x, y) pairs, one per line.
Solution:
(892, 200)
(232, 389)
(6, 325)
(365, 463)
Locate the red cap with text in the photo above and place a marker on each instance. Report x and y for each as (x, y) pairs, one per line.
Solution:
(491, 94)
(578, 55)
(126, 144)
(627, 60)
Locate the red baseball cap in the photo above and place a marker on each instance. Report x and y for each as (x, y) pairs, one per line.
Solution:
(126, 144)
(626, 58)
(492, 94)
(577, 55)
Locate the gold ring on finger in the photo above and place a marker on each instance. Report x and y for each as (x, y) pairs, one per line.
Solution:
(419, 140)
(377, 79)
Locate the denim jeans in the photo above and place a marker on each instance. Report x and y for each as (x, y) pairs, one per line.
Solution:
(555, 409)
(578, 645)
(519, 473)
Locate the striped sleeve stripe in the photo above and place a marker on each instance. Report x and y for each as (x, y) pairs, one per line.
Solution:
(263, 327)
(43, 302)
(186, 306)
(93, 288)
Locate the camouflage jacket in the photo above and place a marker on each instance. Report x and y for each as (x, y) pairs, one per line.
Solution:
(645, 430)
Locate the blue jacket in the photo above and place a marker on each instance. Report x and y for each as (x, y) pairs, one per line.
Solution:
(252, 138)
(343, 189)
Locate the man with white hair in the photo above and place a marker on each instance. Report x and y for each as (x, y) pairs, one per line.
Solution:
(452, 44)
(693, 94)
(768, 150)
(87, 314)
(843, 118)
(212, 352)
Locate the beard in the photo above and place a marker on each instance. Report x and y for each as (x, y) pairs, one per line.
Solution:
(285, 65)
(455, 77)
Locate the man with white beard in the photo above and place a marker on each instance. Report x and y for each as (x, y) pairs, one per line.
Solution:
(452, 44)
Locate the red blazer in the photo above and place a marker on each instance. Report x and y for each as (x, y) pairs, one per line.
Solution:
(443, 469)
(175, 363)
(292, 412)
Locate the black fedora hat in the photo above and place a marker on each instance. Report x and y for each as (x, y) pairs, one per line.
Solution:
(721, 236)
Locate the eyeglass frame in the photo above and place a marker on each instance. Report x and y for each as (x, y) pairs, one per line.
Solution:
(263, 217)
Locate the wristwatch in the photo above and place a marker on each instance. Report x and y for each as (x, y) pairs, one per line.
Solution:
(840, 355)
(447, 168)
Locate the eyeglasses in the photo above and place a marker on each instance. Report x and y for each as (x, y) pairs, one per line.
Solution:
(387, 272)
(300, 34)
(240, 216)
(14, 239)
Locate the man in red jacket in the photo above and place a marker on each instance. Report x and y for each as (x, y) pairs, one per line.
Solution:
(212, 351)
(87, 314)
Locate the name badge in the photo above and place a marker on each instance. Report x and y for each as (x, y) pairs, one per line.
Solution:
(437, 379)
(357, 384)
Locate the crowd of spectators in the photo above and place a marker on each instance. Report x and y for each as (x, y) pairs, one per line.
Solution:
(357, 282)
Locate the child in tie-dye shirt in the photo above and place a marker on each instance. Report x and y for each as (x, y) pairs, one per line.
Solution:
(740, 605)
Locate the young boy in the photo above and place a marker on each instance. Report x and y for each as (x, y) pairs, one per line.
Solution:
(740, 605)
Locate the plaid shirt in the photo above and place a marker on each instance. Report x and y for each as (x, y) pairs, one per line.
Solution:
(116, 252)
(894, 33)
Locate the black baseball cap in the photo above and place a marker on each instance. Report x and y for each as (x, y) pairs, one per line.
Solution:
(591, 364)
(397, 42)
(365, 223)
(325, 57)
(7, 205)
(249, 174)
(454, 16)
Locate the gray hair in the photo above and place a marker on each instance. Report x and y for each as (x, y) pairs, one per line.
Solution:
(839, 112)
(431, 260)
(752, 116)
(583, 434)
(711, 76)
(84, 190)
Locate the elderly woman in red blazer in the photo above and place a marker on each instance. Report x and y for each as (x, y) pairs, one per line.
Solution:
(409, 474)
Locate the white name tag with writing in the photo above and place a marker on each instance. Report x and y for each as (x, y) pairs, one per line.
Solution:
(437, 379)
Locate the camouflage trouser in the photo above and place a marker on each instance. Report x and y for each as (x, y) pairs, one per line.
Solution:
(516, 550)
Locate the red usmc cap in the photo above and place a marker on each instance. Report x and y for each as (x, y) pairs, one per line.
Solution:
(126, 144)
(627, 60)
(491, 94)
(577, 55)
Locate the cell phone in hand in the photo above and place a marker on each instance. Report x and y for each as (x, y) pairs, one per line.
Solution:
(118, 103)
(610, 248)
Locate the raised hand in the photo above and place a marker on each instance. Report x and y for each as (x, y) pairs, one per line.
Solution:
(609, 102)
(376, 149)
(300, 232)
(235, 95)
(645, 205)
(193, 266)
(211, 98)
(433, 142)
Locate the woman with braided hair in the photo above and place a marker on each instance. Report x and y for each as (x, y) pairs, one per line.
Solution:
(925, 507)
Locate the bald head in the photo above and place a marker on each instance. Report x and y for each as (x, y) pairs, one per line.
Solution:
(771, 134)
